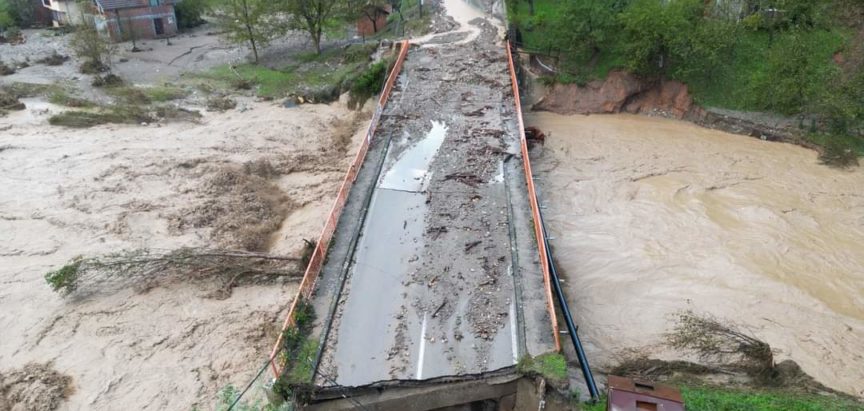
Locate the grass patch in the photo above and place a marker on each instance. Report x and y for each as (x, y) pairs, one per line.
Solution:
(63, 98)
(724, 399)
(230, 393)
(711, 398)
(318, 78)
(298, 355)
(161, 94)
(552, 366)
(21, 90)
(301, 372)
(114, 114)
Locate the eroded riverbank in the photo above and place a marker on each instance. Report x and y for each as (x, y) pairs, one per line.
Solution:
(654, 216)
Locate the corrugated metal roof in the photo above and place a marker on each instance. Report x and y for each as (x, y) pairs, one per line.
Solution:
(127, 4)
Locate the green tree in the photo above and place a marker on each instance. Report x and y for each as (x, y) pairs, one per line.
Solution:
(16, 13)
(796, 77)
(190, 13)
(249, 21)
(93, 48)
(587, 25)
(6, 20)
(313, 16)
(656, 33)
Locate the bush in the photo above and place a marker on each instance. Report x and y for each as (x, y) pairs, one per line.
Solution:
(220, 103)
(13, 34)
(190, 13)
(838, 149)
(368, 84)
(9, 101)
(6, 70)
(55, 59)
(109, 80)
(92, 67)
(63, 279)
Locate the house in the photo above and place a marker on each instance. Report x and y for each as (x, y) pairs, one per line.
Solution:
(373, 19)
(136, 19)
(64, 12)
(119, 19)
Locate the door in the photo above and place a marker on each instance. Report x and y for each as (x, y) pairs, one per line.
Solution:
(160, 28)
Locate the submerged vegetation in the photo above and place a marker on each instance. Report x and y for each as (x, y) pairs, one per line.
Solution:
(737, 372)
(800, 58)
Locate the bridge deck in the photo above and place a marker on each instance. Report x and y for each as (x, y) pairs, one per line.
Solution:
(434, 270)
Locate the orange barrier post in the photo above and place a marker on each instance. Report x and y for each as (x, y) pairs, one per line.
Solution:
(532, 194)
(316, 261)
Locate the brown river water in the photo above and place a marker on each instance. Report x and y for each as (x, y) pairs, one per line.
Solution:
(654, 216)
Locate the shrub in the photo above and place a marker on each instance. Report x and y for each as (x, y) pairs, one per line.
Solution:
(109, 80)
(6, 70)
(368, 84)
(92, 67)
(55, 59)
(63, 279)
(220, 103)
(9, 101)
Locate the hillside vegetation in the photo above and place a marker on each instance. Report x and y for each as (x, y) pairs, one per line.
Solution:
(798, 58)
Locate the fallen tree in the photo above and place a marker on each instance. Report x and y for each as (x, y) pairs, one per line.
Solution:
(145, 269)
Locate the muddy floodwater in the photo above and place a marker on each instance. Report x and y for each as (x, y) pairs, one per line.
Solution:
(654, 216)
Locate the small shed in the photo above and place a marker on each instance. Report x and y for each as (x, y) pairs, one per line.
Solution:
(373, 19)
(136, 19)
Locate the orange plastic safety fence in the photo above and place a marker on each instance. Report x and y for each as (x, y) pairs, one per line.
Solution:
(532, 194)
(316, 261)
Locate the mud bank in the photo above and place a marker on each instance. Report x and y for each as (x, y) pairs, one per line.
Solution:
(621, 92)
(67, 193)
(652, 216)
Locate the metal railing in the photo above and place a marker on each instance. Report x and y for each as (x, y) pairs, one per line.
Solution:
(316, 261)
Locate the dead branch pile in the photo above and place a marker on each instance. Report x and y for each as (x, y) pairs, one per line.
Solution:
(722, 345)
(219, 271)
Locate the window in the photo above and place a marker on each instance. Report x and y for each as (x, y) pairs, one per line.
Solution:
(154, 3)
(46, 3)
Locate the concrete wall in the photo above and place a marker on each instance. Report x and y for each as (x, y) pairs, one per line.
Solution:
(122, 25)
(65, 12)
